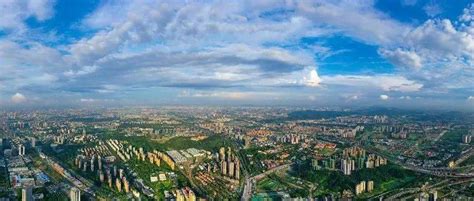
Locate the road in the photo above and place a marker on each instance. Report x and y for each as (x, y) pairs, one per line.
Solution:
(436, 187)
(250, 181)
(440, 136)
(465, 156)
(75, 179)
(437, 172)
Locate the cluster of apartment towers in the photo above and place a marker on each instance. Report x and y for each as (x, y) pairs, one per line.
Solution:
(154, 157)
(229, 163)
(353, 158)
(106, 173)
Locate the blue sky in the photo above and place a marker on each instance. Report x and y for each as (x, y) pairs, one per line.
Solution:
(407, 53)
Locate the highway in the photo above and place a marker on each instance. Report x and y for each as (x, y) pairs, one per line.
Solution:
(435, 172)
(250, 181)
(465, 156)
(440, 136)
(437, 186)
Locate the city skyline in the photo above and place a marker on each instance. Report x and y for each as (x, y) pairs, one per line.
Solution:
(406, 54)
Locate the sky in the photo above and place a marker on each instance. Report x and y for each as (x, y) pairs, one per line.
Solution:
(406, 53)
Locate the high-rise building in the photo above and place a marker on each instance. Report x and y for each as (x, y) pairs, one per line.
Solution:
(222, 153)
(118, 184)
(179, 195)
(231, 166)
(27, 193)
(346, 166)
(237, 169)
(247, 142)
(101, 176)
(75, 194)
(229, 154)
(33, 142)
(126, 185)
(423, 196)
(21, 150)
(224, 167)
(189, 194)
(466, 139)
(332, 163)
(370, 186)
(433, 195)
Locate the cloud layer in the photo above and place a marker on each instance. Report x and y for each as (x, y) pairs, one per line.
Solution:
(234, 50)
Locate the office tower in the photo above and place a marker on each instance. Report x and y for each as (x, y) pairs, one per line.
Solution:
(75, 194)
(27, 193)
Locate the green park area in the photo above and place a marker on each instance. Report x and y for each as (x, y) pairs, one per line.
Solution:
(386, 178)
(283, 183)
(452, 139)
(146, 170)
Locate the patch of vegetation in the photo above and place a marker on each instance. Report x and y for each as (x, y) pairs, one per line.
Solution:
(386, 178)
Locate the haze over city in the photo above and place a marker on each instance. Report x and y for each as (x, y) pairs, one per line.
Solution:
(407, 53)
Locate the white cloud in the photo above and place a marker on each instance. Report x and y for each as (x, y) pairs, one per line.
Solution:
(468, 14)
(34, 54)
(236, 45)
(18, 98)
(353, 97)
(14, 12)
(440, 39)
(409, 2)
(402, 58)
(380, 82)
(432, 9)
(470, 98)
(87, 100)
(348, 16)
(313, 79)
(232, 95)
(83, 71)
(384, 97)
(405, 97)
